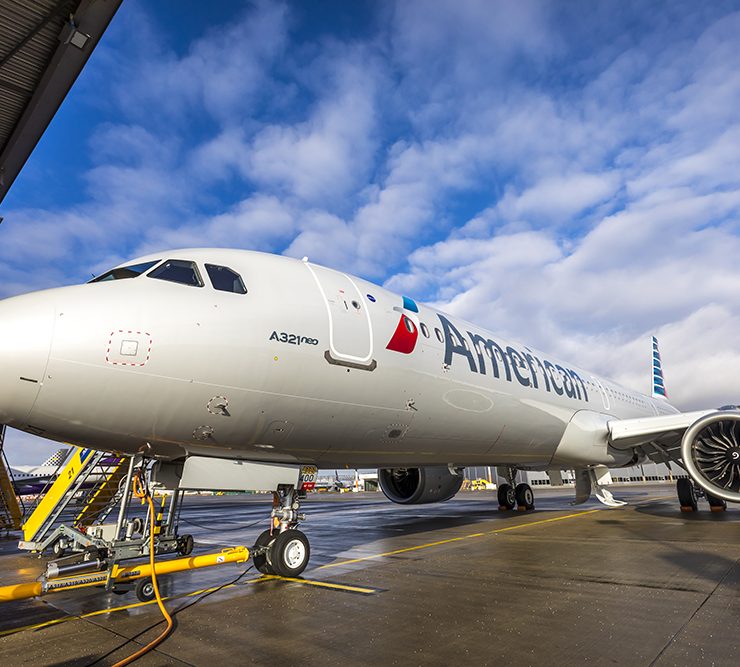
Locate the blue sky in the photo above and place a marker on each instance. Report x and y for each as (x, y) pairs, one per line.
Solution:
(562, 173)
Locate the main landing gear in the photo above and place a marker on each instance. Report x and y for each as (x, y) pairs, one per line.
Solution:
(512, 495)
(283, 549)
(689, 494)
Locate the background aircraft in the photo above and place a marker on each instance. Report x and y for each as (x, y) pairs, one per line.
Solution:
(33, 479)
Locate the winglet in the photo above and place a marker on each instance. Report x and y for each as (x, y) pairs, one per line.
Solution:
(658, 384)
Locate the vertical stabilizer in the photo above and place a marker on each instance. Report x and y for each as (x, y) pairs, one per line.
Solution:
(658, 383)
(57, 458)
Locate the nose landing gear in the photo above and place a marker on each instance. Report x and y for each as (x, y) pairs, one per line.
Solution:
(283, 549)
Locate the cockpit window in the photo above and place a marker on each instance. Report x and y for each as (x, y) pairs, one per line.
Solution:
(178, 271)
(225, 279)
(125, 271)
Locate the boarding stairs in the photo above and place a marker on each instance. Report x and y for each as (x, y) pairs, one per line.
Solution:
(87, 487)
(11, 514)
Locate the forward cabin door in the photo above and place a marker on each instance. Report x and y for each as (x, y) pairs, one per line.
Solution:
(602, 391)
(350, 329)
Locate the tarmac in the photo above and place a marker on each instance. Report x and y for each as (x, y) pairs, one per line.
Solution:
(451, 583)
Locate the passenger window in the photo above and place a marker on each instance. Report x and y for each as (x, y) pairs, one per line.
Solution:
(439, 335)
(178, 271)
(125, 272)
(226, 280)
(424, 330)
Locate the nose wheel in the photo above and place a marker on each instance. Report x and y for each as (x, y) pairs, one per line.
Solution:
(284, 550)
(289, 553)
(285, 554)
(260, 549)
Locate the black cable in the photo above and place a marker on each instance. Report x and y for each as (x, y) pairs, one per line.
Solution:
(234, 582)
(174, 613)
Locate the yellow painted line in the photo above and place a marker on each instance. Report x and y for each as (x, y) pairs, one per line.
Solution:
(312, 582)
(134, 605)
(451, 540)
(124, 607)
(541, 521)
(325, 584)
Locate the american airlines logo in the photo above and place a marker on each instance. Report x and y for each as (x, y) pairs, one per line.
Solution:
(520, 365)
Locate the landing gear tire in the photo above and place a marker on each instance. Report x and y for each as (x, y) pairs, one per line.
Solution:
(686, 495)
(289, 553)
(260, 560)
(185, 544)
(524, 497)
(145, 590)
(506, 497)
(716, 504)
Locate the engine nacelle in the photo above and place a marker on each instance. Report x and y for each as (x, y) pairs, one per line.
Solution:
(415, 486)
(710, 450)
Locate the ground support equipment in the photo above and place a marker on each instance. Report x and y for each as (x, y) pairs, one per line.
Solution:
(119, 576)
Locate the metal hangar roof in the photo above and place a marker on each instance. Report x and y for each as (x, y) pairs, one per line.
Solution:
(44, 44)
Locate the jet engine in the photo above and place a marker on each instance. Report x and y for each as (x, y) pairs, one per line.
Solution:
(710, 450)
(416, 486)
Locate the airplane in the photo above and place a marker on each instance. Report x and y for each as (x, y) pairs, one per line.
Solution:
(330, 483)
(237, 369)
(33, 479)
(348, 481)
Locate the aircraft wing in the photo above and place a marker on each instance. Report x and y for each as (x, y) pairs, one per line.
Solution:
(629, 433)
(659, 438)
(706, 444)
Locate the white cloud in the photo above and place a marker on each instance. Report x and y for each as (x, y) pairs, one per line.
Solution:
(326, 156)
(259, 222)
(223, 73)
(557, 199)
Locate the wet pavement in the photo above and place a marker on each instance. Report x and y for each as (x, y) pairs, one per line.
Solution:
(423, 585)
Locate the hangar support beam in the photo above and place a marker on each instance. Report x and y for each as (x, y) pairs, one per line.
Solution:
(45, 52)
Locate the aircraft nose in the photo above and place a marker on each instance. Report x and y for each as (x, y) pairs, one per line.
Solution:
(26, 327)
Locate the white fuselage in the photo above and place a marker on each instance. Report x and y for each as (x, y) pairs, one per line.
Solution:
(296, 370)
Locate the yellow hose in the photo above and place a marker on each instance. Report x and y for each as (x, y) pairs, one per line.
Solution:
(140, 492)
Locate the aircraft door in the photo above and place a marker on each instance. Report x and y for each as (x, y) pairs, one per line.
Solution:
(350, 328)
(602, 391)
